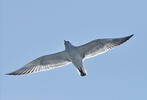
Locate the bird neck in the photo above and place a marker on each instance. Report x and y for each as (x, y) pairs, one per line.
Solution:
(69, 47)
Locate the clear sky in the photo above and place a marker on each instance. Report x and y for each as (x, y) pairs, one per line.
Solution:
(32, 28)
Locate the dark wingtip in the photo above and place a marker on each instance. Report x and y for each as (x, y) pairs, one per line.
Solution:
(119, 41)
(9, 74)
(128, 37)
(13, 73)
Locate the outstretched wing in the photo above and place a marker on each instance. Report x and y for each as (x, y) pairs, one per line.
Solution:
(43, 63)
(100, 46)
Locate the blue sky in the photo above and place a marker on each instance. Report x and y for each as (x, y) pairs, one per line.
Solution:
(32, 28)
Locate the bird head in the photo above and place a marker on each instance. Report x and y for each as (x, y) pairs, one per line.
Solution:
(66, 42)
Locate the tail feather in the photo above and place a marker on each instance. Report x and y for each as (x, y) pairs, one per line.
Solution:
(82, 71)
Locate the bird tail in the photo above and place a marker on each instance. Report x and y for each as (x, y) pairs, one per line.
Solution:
(82, 71)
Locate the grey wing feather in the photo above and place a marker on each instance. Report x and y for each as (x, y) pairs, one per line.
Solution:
(100, 46)
(43, 63)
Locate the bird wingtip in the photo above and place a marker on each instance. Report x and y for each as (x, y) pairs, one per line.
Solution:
(131, 35)
(9, 74)
(128, 37)
(12, 73)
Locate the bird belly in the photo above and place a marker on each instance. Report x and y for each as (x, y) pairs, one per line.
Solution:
(76, 59)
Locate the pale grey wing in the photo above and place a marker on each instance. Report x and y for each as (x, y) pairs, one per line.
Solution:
(100, 46)
(43, 63)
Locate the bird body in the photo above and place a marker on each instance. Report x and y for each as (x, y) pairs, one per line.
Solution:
(75, 57)
(71, 54)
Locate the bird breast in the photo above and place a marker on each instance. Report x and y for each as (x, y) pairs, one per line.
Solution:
(74, 54)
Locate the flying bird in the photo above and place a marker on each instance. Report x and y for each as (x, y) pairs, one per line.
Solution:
(72, 54)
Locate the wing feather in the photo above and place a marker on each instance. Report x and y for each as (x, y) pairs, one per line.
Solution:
(43, 63)
(100, 46)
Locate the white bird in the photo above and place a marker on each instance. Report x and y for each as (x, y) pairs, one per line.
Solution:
(71, 54)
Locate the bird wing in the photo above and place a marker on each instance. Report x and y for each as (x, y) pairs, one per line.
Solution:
(100, 46)
(43, 63)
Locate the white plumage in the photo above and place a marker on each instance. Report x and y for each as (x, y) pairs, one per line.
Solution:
(71, 54)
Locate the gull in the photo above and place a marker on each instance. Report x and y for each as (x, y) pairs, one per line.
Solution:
(72, 54)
